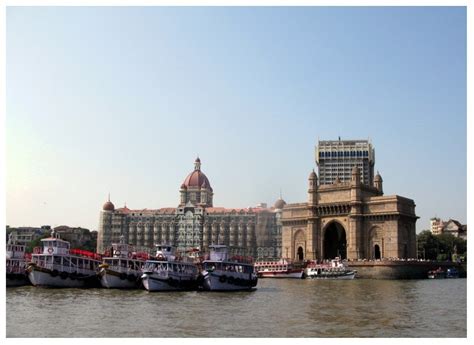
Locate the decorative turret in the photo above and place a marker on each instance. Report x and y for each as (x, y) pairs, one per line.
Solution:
(313, 188)
(355, 179)
(197, 164)
(378, 183)
(355, 186)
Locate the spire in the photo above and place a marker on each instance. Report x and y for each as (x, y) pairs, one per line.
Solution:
(108, 197)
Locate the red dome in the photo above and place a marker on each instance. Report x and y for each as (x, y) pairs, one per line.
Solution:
(108, 206)
(196, 179)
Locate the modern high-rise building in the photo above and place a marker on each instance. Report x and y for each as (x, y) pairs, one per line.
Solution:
(336, 158)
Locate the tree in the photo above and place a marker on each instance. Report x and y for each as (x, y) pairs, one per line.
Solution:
(428, 245)
(35, 243)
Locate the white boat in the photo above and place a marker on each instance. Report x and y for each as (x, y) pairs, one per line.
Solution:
(122, 270)
(56, 265)
(220, 273)
(16, 263)
(168, 272)
(336, 269)
(282, 268)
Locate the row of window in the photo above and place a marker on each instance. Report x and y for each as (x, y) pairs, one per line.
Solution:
(327, 154)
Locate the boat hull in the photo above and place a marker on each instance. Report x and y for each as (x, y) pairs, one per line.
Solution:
(154, 282)
(17, 279)
(345, 276)
(212, 281)
(114, 280)
(46, 278)
(288, 274)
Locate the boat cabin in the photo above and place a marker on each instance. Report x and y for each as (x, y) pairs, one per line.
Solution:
(14, 250)
(165, 252)
(54, 245)
(122, 249)
(218, 253)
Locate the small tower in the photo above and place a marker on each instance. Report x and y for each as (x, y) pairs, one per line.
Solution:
(182, 194)
(197, 164)
(355, 185)
(378, 183)
(312, 188)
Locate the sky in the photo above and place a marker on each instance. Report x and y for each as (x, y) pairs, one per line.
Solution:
(121, 100)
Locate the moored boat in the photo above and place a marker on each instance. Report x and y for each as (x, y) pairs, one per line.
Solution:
(336, 269)
(122, 270)
(452, 273)
(437, 274)
(16, 263)
(220, 273)
(56, 265)
(169, 272)
(282, 268)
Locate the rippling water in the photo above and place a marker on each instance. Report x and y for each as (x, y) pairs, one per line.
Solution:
(278, 308)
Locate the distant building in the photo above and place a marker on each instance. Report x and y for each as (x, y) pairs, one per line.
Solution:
(195, 223)
(336, 158)
(25, 234)
(78, 237)
(451, 226)
(436, 226)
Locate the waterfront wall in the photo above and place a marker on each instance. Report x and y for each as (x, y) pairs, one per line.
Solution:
(401, 269)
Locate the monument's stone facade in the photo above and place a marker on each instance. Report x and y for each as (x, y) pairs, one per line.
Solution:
(350, 220)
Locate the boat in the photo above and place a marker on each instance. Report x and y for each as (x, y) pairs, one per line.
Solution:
(169, 272)
(452, 273)
(16, 263)
(56, 265)
(122, 267)
(437, 274)
(335, 269)
(219, 273)
(282, 268)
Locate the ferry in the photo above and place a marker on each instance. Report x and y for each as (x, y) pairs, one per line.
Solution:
(222, 274)
(56, 265)
(336, 269)
(122, 270)
(282, 268)
(169, 272)
(16, 263)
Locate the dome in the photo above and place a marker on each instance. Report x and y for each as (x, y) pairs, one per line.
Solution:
(197, 178)
(378, 178)
(312, 176)
(279, 204)
(108, 206)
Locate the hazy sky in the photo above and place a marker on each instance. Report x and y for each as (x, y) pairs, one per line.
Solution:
(121, 100)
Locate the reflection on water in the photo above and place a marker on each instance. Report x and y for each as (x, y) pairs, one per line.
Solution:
(278, 308)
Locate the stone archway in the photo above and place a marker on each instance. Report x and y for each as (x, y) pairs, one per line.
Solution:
(376, 252)
(376, 243)
(299, 245)
(334, 242)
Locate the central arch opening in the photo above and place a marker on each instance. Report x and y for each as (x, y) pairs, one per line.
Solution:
(335, 241)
